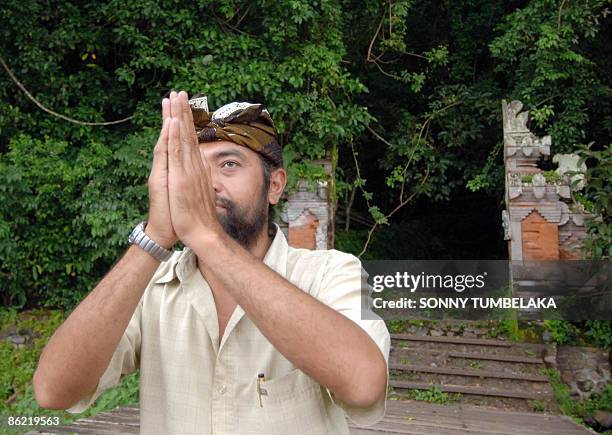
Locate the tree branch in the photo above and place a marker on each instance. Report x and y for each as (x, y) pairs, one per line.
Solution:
(51, 112)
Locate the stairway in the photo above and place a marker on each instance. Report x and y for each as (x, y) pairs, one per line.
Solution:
(477, 371)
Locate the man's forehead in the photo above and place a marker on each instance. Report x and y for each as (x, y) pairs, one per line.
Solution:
(220, 147)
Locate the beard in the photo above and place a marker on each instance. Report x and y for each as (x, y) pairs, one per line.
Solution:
(244, 223)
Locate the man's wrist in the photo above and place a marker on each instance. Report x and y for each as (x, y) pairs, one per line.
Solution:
(209, 242)
(157, 238)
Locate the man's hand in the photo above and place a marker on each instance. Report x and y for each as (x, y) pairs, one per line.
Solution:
(159, 224)
(190, 189)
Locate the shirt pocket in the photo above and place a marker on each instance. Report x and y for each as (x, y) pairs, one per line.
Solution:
(292, 404)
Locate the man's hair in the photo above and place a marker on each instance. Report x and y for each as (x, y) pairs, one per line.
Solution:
(268, 166)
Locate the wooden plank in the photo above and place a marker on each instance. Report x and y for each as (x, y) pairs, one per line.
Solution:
(396, 350)
(468, 413)
(468, 372)
(480, 391)
(415, 428)
(421, 418)
(467, 427)
(120, 421)
(402, 418)
(452, 340)
(502, 358)
(501, 425)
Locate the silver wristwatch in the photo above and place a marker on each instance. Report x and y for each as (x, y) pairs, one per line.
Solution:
(140, 238)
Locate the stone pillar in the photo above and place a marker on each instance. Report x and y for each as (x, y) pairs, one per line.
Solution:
(306, 218)
(538, 222)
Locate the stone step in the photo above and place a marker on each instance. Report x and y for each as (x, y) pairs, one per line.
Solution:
(473, 390)
(495, 374)
(517, 354)
(470, 345)
(452, 340)
(442, 360)
(487, 372)
(503, 358)
(491, 384)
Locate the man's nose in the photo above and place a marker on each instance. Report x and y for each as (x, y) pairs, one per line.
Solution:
(216, 185)
(215, 179)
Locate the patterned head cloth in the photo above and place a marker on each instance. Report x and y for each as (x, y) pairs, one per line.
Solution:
(245, 124)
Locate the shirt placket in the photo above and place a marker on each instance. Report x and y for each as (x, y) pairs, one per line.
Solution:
(223, 418)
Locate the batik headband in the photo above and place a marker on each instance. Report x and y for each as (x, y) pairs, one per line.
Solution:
(245, 124)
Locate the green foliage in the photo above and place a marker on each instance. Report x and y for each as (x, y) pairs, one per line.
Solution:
(507, 327)
(477, 365)
(541, 115)
(538, 405)
(412, 108)
(583, 201)
(486, 178)
(548, 46)
(396, 326)
(578, 409)
(598, 200)
(17, 365)
(434, 395)
(589, 332)
(552, 177)
(563, 331)
(600, 332)
(413, 241)
(69, 194)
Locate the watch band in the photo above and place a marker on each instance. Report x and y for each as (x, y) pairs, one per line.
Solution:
(139, 237)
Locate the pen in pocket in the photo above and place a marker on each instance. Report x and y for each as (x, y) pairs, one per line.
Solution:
(261, 391)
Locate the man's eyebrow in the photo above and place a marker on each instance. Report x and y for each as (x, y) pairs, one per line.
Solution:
(226, 153)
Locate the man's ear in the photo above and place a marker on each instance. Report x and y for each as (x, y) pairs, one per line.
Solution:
(278, 181)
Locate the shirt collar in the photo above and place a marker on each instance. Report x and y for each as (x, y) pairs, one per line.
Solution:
(183, 263)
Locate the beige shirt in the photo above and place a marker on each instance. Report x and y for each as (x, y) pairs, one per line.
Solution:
(190, 383)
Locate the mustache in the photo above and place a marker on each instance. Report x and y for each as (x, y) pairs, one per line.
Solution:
(223, 202)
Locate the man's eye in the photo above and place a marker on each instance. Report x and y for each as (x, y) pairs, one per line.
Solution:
(230, 164)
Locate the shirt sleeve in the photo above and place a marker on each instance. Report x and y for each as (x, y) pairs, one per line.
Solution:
(125, 360)
(341, 289)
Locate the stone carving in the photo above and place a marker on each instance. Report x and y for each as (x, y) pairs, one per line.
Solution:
(514, 179)
(506, 224)
(307, 216)
(585, 369)
(538, 180)
(529, 191)
(514, 119)
(519, 142)
(569, 164)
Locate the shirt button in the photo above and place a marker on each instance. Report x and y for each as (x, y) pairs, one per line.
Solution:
(221, 389)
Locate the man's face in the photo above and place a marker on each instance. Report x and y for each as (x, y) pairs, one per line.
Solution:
(241, 197)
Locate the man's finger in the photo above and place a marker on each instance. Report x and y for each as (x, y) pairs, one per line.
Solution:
(191, 159)
(185, 142)
(188, 115)
(173, 95)
(160, 152)
(175, 164)
(189, 128)
(165, 108)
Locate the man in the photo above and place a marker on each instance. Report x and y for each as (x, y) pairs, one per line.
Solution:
(238, 333)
